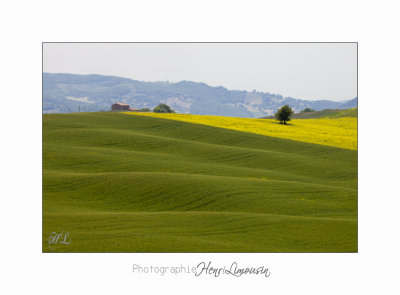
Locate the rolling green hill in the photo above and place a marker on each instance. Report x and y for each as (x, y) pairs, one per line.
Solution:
(120, 183)
(316, 114)
(327, 113)
(347, 113)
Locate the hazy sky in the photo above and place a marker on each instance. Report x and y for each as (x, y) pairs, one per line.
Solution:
(301, 70)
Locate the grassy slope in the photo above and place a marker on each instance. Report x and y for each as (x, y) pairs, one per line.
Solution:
(316, 114)
(328, 113)
(349, 113)
(123, 183)
(341, 132)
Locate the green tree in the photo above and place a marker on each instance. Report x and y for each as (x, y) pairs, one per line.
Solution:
(284, 113)
(163, 108)
(145, 110)
(307, 110)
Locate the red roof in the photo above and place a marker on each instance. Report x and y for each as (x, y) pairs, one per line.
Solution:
(121, 104)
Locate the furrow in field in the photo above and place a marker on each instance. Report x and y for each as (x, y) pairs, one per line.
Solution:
(151, 191)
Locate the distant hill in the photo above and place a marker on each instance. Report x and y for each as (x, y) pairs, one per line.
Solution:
(69, 93)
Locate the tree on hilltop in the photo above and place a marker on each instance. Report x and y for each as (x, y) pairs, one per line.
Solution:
(283, 114)
(163, 108)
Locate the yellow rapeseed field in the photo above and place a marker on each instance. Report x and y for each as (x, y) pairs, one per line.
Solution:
(338, 132)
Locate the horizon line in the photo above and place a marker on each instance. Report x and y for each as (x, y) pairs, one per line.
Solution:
(200, 82)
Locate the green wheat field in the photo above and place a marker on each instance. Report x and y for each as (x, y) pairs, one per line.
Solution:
(127, 183)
